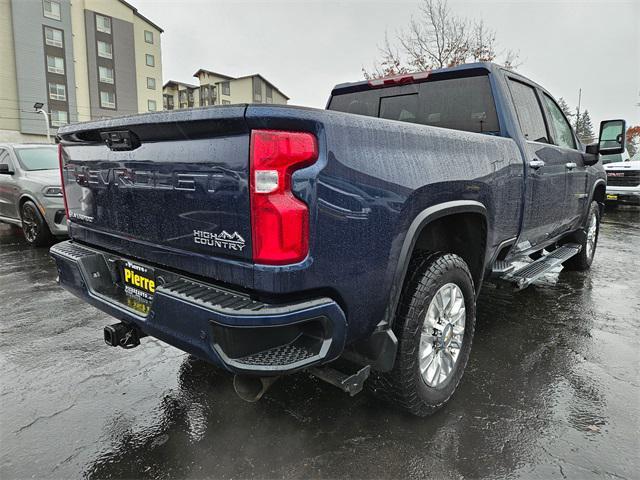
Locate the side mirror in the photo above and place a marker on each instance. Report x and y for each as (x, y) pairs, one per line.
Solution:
(4, 169)
(612, 137)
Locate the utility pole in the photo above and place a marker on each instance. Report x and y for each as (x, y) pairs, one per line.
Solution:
(578, 109)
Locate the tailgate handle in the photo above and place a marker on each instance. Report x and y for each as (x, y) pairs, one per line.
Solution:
(120, 140)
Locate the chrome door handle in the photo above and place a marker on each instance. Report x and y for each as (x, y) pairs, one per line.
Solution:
(570, 165)
(536, 164)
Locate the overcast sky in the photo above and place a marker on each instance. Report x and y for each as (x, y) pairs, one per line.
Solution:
(305, 47)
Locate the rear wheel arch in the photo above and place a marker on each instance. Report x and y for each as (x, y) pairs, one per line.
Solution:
(464, 234)
(458, 227)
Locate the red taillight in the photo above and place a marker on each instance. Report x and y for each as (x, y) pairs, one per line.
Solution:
(64, 193)
(279, 220)
(399, 79)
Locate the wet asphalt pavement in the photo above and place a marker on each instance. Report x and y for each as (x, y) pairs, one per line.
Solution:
(552, 390)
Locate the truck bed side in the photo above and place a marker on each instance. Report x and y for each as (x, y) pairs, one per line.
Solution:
(371, 180)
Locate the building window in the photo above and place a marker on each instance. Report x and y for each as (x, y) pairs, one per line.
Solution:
(208, 95)
(226, 88)
(103, 24)
(150, 60)
(148, 36)
(51, 9)
(107, 99)
(269, 93)
(168, 102)
(53, 37)
(57, 91)
(151, 105)
(55, 64)
(105, 74)
(257, 90)
(226, 102)
(58, 118)
(151, 83)
(105, 50)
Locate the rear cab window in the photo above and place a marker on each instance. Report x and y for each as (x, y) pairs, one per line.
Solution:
(459, 103)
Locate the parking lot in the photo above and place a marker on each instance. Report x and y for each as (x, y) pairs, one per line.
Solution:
(552, 391)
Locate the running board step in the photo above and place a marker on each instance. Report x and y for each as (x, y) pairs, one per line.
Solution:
(525, 276)
(501, 267)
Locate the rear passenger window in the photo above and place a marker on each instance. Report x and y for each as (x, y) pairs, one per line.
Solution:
(401, 107)
(564, 135)
(529, 112)
(460, 103)
(4, 157)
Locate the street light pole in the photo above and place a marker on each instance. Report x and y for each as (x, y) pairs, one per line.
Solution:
(38, 106)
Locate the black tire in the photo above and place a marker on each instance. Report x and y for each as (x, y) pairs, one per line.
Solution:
(34, 227)
(583, 260)
(404, 384)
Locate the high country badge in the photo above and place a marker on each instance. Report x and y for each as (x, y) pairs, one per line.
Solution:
(224, 239)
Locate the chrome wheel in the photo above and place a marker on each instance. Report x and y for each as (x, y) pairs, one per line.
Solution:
(442, 335)
(30, 224)
(592, 233)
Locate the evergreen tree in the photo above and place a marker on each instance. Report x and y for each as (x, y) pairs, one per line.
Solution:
(584, 128)
(562, 103)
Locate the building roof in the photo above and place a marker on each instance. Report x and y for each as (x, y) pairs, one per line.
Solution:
(266, 81)
(176, 83)
(202, 70)
(138, 14)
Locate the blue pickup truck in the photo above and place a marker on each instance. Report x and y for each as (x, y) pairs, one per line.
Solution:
(350, 242)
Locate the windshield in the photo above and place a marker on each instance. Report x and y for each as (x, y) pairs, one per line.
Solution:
(464, 103)
(615, 157)
(41, 158)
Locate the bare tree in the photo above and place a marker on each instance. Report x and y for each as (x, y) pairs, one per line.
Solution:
(437, 38)
(390, 62)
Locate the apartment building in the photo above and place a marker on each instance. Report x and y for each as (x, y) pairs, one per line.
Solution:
(219, 89)
(80, 59)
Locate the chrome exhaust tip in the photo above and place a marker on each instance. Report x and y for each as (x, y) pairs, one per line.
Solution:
(251, 389)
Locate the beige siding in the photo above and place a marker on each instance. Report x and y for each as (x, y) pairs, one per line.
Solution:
(9, 96)
(241, 91)
(144, 71)
(80, 60)
(206, 78)
(111, 8)
(278, 98)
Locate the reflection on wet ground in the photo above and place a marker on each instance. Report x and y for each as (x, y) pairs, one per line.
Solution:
(552, 391)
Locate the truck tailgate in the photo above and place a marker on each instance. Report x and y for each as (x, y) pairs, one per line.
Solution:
(171, 185)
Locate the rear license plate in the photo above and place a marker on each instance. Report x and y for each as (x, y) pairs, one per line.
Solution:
(612, 197)
(139, 281)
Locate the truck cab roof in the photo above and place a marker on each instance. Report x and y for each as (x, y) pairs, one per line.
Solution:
(448, 72)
